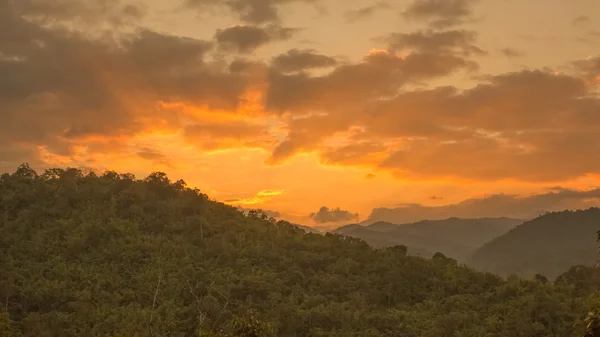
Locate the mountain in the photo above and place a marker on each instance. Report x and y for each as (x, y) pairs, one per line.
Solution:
(380, 239)
(325, 228)
(455, 237)
(308, 229)
(111, 255)
(547, 245)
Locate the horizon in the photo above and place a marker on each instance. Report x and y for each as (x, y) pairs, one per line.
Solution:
(329, 226)
(324, 113)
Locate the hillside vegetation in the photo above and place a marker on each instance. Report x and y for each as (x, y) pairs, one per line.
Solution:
(546, 245)
(87, 255)
(454, 237)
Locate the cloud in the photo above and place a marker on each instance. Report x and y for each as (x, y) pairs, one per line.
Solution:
(580, 20)
(365, 153)
(410, 58)
(511, 53)
(246, 39)
(589, 68)
(213, 135)
(298, 60)
(62, 90)
(510, 126)
(325, 215)
(155, 156)
(365, 12)
(449, 42)
(351, 91)
(69, 96)
(499, 205)
(81, 12)
(440, 13)
(549, 118)
(249, 11)
(259, 198)
(269, 193)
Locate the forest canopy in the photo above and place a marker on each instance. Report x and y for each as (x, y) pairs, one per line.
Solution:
(84, 254)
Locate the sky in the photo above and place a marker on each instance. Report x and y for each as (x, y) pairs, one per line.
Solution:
(320, 111)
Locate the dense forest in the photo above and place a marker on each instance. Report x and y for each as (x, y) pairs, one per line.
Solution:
(455, 237)
(546, 245)
(112, 255)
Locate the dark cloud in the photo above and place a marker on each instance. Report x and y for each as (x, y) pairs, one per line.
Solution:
(589, 68)
(440, 13)
(511, 53)
(499, 205)
(351, 91)
(428, 55)
(246, 39)
(154, 156)
(13, 154)
(550, 118)
(60, 87)
(511, 126)
(249, 11)
(365, 12)
(245, 66)
(364, 153)
(325, 215)
(298, 60)
(81, 12)
(449, 42)
(151, 154)
(580, 20)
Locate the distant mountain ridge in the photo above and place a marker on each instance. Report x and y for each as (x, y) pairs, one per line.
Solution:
(308, 229)
(547, 245)
(455, 237)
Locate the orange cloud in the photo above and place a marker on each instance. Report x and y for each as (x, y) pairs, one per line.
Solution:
(145, 101)
(269, 193)
(513, 126)
(260, 198)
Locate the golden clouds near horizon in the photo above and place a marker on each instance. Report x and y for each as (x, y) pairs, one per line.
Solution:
(260, 198)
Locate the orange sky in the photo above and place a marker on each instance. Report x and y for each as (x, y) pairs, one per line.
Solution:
(428, 106)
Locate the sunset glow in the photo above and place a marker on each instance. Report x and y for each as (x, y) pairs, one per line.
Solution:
(358, 104)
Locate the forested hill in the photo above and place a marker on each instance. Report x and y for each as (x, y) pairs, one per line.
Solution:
(546, 245)
(455, 237)
(87, 255)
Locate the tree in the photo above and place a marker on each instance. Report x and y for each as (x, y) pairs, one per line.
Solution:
(250, 326)
(5, 324)
(593, 318)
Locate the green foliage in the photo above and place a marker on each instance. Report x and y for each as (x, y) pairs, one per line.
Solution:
(592, 320)
(6, 329)
(110, 255)
(250, 326)
(592, 324)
